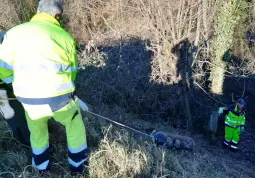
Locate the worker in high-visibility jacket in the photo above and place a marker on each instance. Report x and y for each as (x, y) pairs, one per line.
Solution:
(234, 123)
(43, 58)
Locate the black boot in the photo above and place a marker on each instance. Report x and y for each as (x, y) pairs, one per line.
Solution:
(42, 172)
(78, 170)
(224, 145)
(233, 149)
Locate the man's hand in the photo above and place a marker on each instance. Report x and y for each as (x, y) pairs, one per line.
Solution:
(242, 129)
(220, 111)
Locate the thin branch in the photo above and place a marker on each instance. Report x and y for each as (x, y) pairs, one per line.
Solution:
(243, 89)
(239, 4)
(217, 66)
(198, 24)
(208, 93)
(2, 173)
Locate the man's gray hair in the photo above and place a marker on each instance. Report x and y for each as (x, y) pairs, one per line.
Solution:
(51, 7)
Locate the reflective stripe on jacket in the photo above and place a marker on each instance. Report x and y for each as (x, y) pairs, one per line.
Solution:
(42, 56)
(234, 118)
(6, 70)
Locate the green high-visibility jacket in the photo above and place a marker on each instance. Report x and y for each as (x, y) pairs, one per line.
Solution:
(5, 72)
(42, 57)
(234, 118)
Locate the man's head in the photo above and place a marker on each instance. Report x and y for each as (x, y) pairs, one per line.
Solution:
(240, 103)
(52, 7)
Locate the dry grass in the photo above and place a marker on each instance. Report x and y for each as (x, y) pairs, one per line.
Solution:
(9, 17)
(117, 157)
(14, 12)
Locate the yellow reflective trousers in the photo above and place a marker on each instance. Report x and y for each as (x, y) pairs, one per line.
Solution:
(71, 118)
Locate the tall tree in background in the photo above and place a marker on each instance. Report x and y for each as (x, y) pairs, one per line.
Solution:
(227, 15)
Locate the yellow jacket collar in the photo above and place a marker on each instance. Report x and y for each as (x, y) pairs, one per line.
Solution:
(45, 17)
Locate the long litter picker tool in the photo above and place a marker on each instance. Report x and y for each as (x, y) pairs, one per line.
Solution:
(160, 138)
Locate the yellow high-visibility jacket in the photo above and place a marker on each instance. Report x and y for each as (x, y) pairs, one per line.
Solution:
(234, 118)
(42, 56)
(5, 70)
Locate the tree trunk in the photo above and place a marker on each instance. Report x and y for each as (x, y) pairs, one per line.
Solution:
(227, 16)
